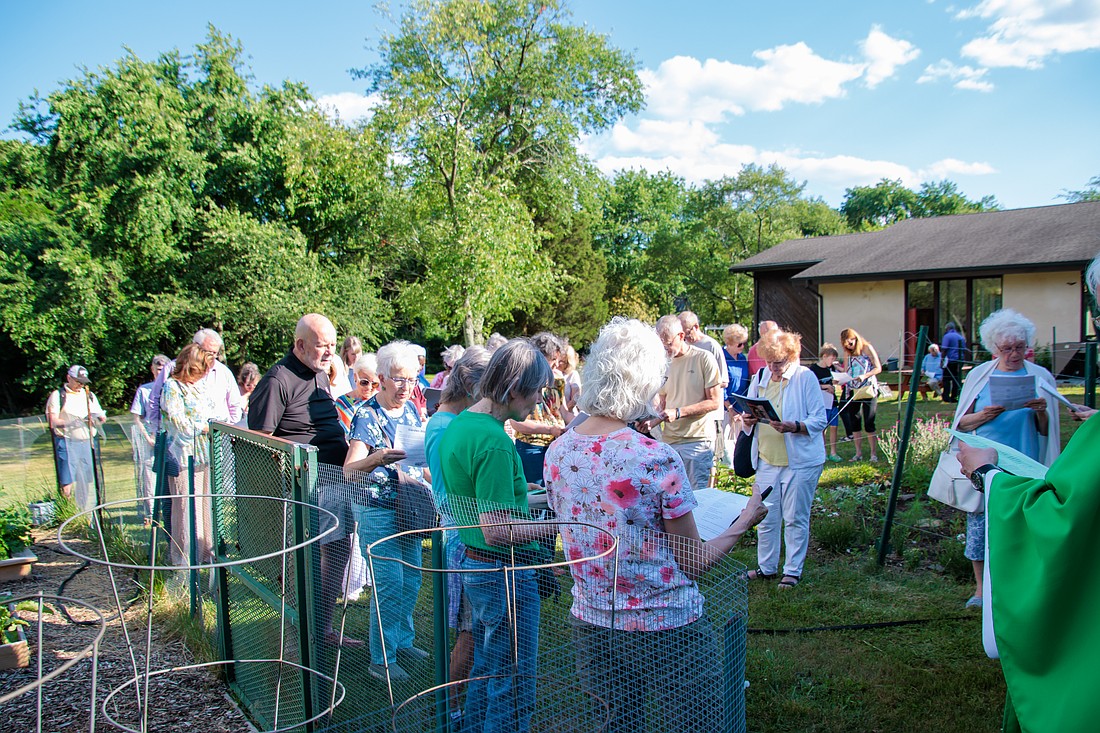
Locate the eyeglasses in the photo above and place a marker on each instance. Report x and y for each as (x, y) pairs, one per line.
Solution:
(1016, 349)
(401, 381)
(780, 363)
(367, 383)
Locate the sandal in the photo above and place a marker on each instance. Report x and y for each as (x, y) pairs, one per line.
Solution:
(855, 459)
(874, 458)
(759, 574)
(789, 581)
(835, 458)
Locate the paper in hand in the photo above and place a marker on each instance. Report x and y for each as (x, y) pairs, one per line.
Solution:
(1009, 459)
(717, 510)
(1011, 393)
(410, 438)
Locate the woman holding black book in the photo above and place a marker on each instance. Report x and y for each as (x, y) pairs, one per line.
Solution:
(788, 454)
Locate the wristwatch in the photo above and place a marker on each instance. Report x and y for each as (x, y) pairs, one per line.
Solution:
(979, 476)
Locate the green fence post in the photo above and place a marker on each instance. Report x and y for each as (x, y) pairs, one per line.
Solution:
(439, 630)
(305, 477)
(1090, 374)
(193, 542)
(903, 445)
(217, 488)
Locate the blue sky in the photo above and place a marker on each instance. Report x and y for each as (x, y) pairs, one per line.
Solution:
(1001, 96)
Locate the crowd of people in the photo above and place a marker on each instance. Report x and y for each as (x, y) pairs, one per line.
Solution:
(616, 446)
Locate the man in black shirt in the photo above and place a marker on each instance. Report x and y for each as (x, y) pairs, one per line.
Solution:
(293, 402)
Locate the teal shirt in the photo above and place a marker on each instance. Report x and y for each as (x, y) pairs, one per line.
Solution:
(482, 473)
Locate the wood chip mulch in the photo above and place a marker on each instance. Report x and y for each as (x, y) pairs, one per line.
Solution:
(183, 701)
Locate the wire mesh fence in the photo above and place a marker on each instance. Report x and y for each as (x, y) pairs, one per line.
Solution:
(392, 611)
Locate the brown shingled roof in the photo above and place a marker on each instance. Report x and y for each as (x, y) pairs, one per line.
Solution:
(1046, 237)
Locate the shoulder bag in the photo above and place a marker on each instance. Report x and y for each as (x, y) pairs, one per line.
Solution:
(950, 487)
(742, 453)
(414, 506)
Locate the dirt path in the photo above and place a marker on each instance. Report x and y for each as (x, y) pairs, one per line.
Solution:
(182, 701)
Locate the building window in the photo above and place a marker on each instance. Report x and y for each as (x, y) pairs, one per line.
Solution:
(966, 302)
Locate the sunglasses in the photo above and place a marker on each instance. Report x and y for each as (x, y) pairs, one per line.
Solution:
(367, 383)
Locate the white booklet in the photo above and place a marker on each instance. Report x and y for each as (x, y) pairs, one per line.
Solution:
(717, 510)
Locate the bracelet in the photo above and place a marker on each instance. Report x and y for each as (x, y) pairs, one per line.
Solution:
(677, 413)
(797, 426)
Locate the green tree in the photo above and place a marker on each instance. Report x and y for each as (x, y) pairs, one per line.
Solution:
(485, 100)
(639, 211)
(878, 206)
(1090, 193)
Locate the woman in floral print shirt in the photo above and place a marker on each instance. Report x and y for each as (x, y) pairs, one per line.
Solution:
(643, 627)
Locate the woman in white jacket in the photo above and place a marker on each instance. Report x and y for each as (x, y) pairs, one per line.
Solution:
(1031, 427)
(788, 454)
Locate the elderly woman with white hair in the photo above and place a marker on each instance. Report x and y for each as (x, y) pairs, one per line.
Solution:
(371, 449)
(364, 385)
(450, 355)
(642, 631)
(1031, 427)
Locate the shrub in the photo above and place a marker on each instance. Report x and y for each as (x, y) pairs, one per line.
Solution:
(927, 440)
(836, 534)
(852, 474)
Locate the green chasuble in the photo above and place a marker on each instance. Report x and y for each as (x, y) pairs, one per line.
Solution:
(1044, 568)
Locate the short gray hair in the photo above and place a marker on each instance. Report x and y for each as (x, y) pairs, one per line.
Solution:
(549, 344)
(397, 355)
(688, 320)
(465, 375)
(669, 326)
(1005, 323)
(517, 369)
(207, 333)
(624, 369)
(452, 354)
(495, 342)
(365, 363)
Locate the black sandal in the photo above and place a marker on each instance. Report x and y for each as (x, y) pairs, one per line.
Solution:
(759, 574)
(789, 581)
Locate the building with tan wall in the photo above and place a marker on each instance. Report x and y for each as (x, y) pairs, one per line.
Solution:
(927, 272)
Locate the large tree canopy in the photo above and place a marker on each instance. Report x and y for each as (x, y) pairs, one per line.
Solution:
(485, 100)
(159, 197)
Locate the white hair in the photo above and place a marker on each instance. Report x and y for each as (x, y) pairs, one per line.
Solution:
(1005, 323)
(397, 355)
(451, 354)
(1092, 276)
(625, 368)
(365, 363)
(669, 326)
(207, 333)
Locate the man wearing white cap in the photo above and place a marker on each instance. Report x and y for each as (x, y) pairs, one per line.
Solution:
(73, 412)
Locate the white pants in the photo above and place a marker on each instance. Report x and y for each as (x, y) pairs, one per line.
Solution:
(789, 503)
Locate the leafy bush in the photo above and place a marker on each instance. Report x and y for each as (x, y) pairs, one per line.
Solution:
(852, 474)
(15, 530)
(952, 559)
(927, 440)
(836, 533)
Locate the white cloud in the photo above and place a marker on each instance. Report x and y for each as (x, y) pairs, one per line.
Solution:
(951, 167)
(698, 155)
(1023, 33)
(348, 107)
(682, 87)
(884, 55)
(964, 77)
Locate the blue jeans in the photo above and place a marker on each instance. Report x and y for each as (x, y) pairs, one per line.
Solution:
(505, 701)
(395, 585)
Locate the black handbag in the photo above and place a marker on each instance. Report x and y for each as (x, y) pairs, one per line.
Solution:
(742, 452)
(414, 506)
(742, 455)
